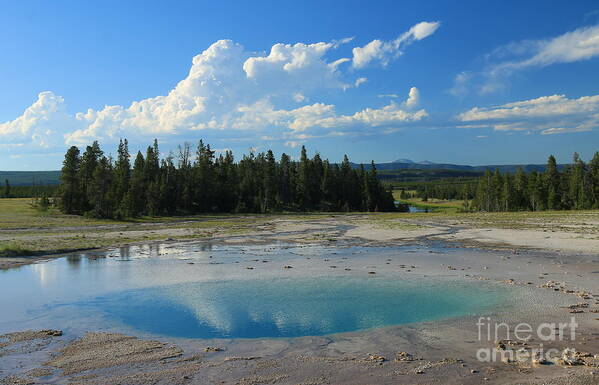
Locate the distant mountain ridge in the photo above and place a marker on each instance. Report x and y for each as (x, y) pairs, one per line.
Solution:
(402, 164)
(27, 178)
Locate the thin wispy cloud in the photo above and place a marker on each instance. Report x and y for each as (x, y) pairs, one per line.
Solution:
(385, 51)
(580, 44)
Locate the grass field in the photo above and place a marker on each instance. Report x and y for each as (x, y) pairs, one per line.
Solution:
(435, 205)
(16, 213)
(25, 230)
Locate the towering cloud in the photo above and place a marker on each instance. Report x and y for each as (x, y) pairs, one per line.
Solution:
(227, 91)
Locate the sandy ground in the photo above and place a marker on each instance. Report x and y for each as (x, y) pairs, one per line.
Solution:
(557, 240)
(557, 272)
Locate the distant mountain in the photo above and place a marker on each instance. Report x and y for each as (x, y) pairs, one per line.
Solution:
(403, 161)
(28, 178)
(427, 165)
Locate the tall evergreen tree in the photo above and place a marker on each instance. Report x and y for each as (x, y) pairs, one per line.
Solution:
(70, 192)
(102, 200)
(122, 170)
(89, 162)
(6, 189)
(552, 180)
(577, 182)
(303, 183)
(594, 180)
(137, 189)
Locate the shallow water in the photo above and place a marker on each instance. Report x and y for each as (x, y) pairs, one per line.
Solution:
(204, 291)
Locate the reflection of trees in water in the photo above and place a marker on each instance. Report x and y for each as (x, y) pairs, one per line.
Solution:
(74, 261)
(205, 246)
(125, 252)
(154, 249)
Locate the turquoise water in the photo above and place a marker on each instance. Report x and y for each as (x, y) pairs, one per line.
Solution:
(291, 307)
(161, 292)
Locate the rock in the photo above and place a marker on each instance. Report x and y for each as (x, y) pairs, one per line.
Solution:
(570, 357)
(212, 349)
(579, 305)
(403, 357)
(376, 357)
(539, 360)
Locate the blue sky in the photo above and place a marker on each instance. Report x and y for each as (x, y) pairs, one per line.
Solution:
(461, 82)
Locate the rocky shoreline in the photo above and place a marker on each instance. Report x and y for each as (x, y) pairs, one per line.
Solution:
(553, 285)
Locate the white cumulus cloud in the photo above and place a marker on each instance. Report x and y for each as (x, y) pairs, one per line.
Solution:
(39, 122)
(413, 97)
(228, 91)
(555, 114)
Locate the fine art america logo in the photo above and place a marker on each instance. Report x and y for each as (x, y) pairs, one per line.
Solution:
(512, 344)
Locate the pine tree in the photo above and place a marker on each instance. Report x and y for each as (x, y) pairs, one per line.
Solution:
(270, 183)
(6, 189)
(70, 192)
(552, 180)
(102, 201)
(152, 179)
(204, 177)
(507, 194)
(93, 185)
(520, 195)
(122, 170)
(226, 183)
(185, 183)
(136, 201)
(594, 180)
(286, 181)
(303, 183)
(327, 189)
(89, 162)
(576, 191)
(483, 192)
(168, 186)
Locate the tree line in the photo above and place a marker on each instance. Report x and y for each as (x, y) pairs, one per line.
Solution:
(197, 181)
(30, 191)
(576, 187)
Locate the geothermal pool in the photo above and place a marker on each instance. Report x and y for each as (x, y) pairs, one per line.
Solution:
(199, 290)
